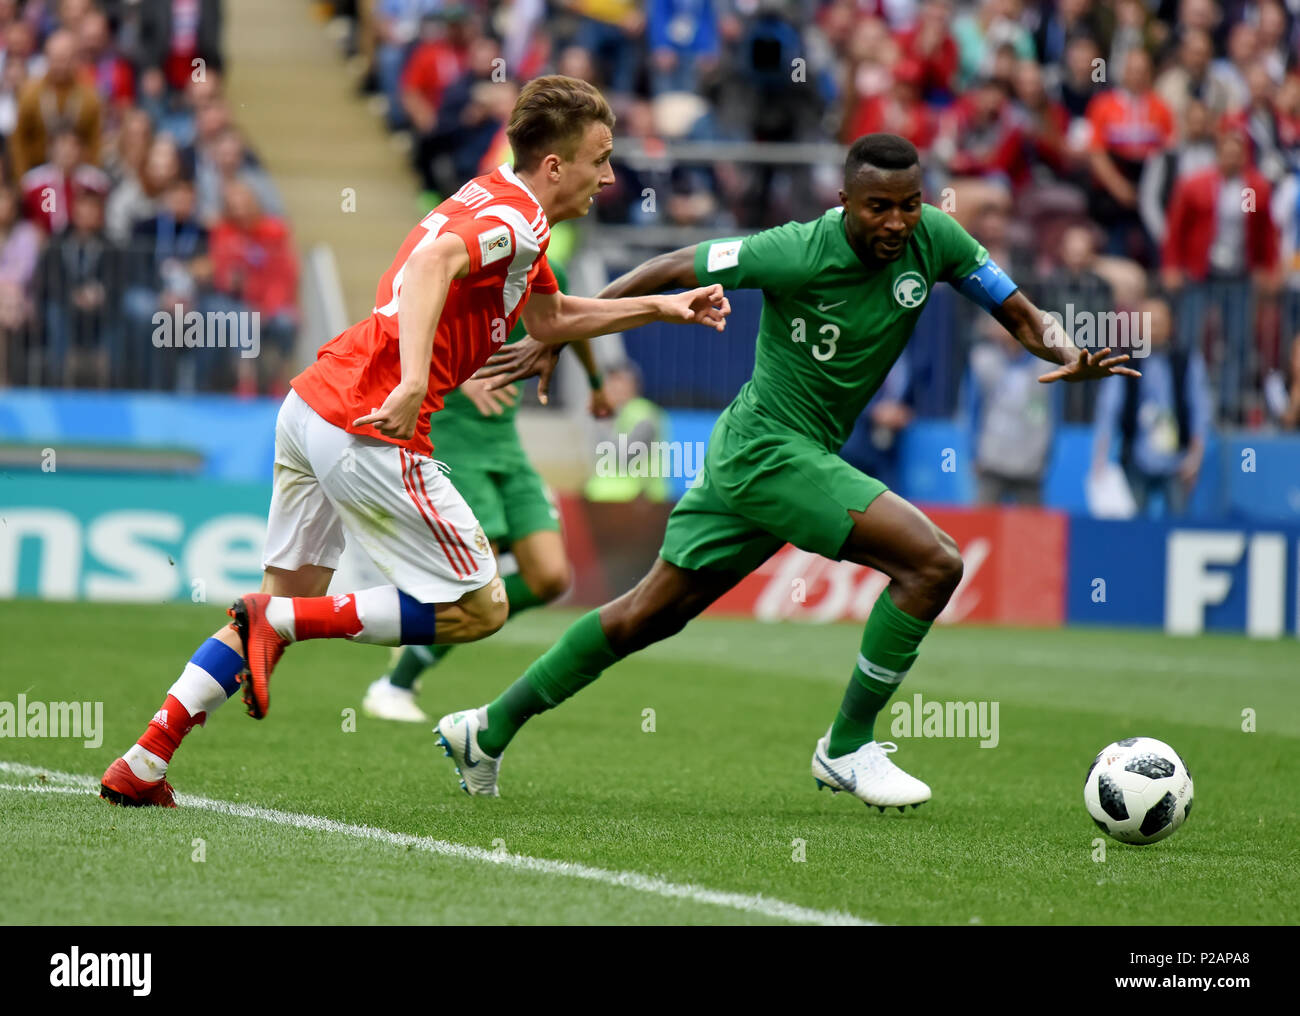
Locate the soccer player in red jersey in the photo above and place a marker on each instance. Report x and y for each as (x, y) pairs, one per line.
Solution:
(352, 446)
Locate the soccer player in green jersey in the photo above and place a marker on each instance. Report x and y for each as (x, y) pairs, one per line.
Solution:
(475, 436)
(841, 295)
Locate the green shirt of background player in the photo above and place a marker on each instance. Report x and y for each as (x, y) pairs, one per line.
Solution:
(628, 462)
(841, 296)
(476, 438)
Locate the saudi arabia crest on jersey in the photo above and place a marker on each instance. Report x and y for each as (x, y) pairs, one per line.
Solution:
(910, 290)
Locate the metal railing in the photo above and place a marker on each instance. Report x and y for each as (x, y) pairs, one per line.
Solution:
(103, 315)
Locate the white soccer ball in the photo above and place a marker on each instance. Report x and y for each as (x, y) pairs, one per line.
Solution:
(1138, 790)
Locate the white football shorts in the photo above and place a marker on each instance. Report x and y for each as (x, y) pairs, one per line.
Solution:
(399, 507)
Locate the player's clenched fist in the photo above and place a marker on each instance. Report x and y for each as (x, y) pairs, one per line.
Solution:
(398, 415)
(704, 306)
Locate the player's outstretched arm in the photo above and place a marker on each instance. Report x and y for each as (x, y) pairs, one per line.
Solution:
(426, 278)
(674, 270)
(530, 357)
(1042, 335)
(558, 317)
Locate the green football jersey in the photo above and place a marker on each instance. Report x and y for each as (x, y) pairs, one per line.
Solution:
(830, 328)
(459, 429)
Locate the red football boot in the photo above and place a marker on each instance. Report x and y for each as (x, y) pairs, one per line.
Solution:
(263, 648)
(121, 786)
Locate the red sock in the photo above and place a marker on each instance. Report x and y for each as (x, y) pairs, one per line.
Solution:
(325, 617)
(168, 728)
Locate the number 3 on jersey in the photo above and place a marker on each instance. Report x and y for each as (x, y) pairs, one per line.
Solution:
(830, 335)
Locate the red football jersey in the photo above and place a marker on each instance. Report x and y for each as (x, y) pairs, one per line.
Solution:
(506, 233)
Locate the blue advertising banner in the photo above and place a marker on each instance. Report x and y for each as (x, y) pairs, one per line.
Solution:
(1186, 578)
(234, 436)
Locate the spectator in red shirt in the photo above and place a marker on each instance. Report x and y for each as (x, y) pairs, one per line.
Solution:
(48, 189)
(173, 34)
(1128, 124)
(440, 58)
(255, 269)
(1044, 122)
(897, 111)
(870, 56)
(982, 137)
(1219, 236)
(931, 45)
(101, 66)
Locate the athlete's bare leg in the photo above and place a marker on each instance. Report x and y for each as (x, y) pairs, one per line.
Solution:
(921, 560)
(543, 564)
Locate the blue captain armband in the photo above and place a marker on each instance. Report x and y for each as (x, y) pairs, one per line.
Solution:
(987, 286)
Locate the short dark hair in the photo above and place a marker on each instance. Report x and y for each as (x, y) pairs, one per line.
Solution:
(551, 115)
(879, 151)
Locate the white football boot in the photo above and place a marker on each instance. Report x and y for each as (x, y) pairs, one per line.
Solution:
(869, 775)
(385, 701)
(458, 735)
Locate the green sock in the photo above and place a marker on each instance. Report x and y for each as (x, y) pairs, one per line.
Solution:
(415, 658)
(412, 662)
(890, 644)
(566, 668)
(521, 597)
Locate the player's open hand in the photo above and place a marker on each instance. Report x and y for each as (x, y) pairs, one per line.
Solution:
(707, 305)
(518, 362)
(399, 414)
(1089, 367)
(487, 400)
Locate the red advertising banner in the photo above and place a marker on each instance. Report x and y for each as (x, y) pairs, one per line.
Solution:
(1015, 566)
(1014, 574)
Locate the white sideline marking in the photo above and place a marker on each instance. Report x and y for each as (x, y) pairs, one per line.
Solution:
(72, 783)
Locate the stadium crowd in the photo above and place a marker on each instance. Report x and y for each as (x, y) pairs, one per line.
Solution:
(1106, 151)
(127, 191)
(1109, 153)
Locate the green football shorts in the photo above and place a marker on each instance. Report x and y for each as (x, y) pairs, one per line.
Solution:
(509, 503)
(758, 490)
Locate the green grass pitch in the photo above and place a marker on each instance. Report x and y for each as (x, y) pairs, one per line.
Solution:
(718, 797)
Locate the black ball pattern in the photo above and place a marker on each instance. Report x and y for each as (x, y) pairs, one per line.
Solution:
(1160, 815)
(1112, 798)
(1152, 766)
